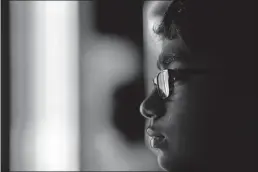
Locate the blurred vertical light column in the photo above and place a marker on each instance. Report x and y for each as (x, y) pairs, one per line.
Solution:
(45, 85)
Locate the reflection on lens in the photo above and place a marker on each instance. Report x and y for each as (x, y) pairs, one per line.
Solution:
(163, 83)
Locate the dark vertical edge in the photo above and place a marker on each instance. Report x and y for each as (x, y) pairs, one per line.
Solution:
(80, 31)
(79, 83)
(5, 87)
(142, 41)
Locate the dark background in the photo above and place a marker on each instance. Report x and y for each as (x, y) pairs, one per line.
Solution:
(5, 86)
(124, 18)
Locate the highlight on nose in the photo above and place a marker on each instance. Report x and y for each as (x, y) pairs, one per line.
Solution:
(145, 112)
(153, 106)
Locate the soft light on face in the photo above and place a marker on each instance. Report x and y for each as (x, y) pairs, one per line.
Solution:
(175, 114)
(203, 125)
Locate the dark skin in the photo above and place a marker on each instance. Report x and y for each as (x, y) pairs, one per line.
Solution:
(207, 120)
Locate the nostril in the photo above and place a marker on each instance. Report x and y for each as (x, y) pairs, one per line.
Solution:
(149, 115)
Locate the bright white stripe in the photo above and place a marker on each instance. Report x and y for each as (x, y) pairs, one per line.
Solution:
(165, 78)
(50, 140)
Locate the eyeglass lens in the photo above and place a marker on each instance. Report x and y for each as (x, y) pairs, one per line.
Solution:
(163, 83)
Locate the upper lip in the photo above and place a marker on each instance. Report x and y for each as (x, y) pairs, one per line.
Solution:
(153, 133)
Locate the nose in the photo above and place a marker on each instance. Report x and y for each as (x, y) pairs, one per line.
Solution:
(153, 106)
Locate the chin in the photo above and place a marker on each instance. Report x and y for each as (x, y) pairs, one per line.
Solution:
(172, 163)
(165, 160)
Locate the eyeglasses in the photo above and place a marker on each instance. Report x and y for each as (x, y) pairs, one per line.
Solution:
(165, 80)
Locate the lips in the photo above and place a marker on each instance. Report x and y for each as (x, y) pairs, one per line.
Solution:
(157, 139)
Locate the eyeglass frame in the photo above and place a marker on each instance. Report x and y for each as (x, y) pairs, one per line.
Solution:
(171, 82)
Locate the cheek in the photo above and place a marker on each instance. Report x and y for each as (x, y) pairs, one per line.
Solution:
(185, 117)
(195, 98)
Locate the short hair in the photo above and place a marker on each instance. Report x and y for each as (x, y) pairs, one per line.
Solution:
(222, 28)
(169, 26)
(210, 25)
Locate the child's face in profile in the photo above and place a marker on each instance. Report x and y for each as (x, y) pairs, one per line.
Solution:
(188, 126)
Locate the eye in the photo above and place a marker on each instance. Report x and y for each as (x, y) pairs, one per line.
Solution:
(175, 83)
(177, 78)
(181, 75)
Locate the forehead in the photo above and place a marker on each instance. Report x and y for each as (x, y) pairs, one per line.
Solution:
(154, 11)
(156, 8)
(154, 14)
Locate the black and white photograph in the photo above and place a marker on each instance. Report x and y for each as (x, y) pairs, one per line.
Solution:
(127, 85)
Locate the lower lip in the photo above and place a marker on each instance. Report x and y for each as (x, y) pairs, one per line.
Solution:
(157, 142)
